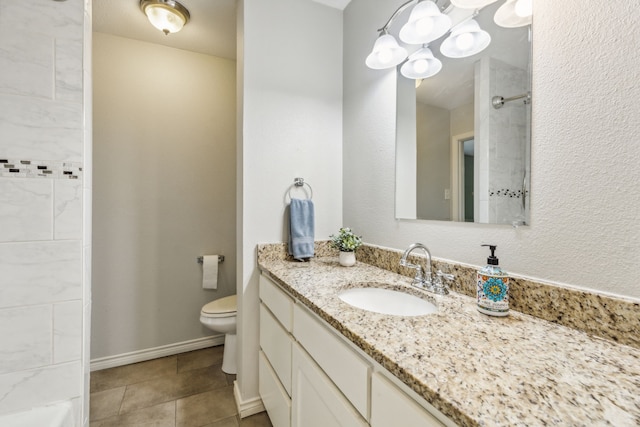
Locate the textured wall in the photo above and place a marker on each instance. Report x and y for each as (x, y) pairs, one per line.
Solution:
(44, 182)
(164, 180)
(585, 198)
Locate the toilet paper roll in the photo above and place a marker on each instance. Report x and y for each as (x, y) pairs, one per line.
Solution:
(210, 272)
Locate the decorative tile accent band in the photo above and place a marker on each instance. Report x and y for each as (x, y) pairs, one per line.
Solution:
(10, 168)
(505, 192)
(604, 316)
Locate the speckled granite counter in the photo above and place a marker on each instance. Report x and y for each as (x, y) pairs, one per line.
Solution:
(478, 370)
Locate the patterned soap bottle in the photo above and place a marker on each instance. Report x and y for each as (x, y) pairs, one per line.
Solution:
(493, 287)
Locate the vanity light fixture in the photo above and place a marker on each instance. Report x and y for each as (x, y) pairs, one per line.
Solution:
(472, 4)
(426, 23)
(514, 13)
(466, 39)
(386, 53)
(168, 16)
(421, 64)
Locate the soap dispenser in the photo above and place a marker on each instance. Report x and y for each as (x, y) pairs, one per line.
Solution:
(493, 287)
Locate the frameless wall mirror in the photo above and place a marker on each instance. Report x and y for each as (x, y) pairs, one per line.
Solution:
(463, 136)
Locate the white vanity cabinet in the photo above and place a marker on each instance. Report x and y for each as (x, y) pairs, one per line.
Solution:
(274, 362)
(317, 402)
(348, 370)
(311, 376)
(390, 404)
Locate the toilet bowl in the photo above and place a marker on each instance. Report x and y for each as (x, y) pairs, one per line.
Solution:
(220, 316)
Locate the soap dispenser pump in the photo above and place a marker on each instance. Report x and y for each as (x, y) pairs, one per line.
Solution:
(493, 287)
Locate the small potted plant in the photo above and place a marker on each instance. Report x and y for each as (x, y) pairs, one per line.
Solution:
(347, 243)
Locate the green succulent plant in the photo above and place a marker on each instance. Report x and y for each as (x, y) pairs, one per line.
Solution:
(345, 240)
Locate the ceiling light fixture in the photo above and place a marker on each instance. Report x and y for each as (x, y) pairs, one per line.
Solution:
(168, 16)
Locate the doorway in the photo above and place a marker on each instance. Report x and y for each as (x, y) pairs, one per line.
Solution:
(462, 177)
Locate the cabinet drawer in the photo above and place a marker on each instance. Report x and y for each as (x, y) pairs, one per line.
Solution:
(276, 345)
(277, 300)
(390, 404)
(316, 401)
(342, 364)
(274, 397)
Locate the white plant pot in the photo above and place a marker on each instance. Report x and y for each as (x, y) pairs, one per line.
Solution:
(347, 259)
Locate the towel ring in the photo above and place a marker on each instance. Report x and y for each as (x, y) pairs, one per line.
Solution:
(299, 182)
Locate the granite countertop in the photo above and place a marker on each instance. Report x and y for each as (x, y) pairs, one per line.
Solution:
(476, 369)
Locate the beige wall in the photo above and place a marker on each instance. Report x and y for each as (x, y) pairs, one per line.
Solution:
(434, 129)
(164, 191)
(433, 147)
(462, 119)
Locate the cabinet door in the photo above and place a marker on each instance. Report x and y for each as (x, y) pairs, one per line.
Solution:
(348, 371)
(276, 344)
(390, 406)
(316, 401)
(274, 397)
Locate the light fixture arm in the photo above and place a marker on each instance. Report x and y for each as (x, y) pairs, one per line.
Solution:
(404, 7)
(398, 11)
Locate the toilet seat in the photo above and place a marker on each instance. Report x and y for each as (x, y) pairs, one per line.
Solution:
(223, 307)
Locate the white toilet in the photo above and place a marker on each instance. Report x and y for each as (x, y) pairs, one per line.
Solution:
(220, 316)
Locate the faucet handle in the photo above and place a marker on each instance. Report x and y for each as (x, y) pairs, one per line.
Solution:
(439, 286)
(445, 276)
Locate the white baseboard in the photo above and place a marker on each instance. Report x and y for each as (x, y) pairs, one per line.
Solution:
(156, 352)
(249, 407)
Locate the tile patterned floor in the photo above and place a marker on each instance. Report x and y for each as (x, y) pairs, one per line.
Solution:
(185, 390)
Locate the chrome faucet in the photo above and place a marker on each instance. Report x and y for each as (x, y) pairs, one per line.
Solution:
(423, 278)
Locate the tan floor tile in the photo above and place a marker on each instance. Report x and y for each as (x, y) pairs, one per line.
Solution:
(105, 404)
(131, 374)
(163, 415)
(200, 358)
(257, 420)
(172, 387)
(227, 422)
(203, 408)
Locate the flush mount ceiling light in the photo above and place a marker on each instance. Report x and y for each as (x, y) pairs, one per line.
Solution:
(421, 65)
(471, 4)
(386, 53)
(168, 16)
(466, 39)
(514, 13)
(426, 23)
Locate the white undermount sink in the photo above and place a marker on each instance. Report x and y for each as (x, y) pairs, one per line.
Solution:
(387, 301)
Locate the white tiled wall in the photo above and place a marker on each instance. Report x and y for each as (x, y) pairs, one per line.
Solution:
(501, 142)
(43, 282)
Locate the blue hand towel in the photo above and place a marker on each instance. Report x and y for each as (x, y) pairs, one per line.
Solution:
(301, 229)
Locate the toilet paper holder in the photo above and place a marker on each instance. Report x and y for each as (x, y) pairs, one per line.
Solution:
(201, 259)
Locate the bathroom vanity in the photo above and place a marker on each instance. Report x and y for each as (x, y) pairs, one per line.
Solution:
(312, 376)
(324, 362)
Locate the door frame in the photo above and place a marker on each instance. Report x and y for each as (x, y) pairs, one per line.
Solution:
(457, 174)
